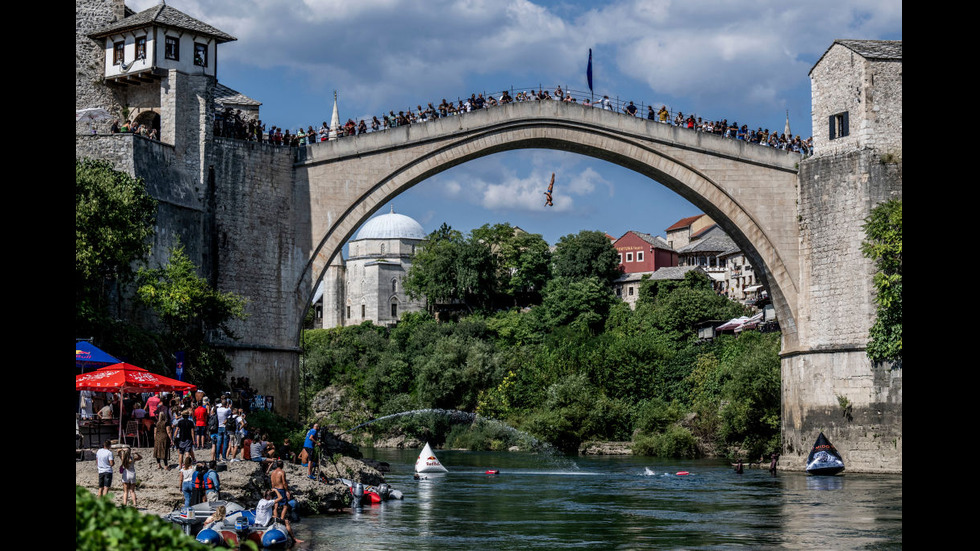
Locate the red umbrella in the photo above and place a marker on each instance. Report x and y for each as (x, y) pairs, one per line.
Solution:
(124, 377)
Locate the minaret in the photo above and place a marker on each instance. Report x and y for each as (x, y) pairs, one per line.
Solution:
(785, 130)
(334, 119)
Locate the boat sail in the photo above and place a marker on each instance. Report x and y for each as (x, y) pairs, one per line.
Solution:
(427, 462)
(824, 458)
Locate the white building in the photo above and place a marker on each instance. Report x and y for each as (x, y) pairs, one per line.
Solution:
(368, 285)
(707, 246)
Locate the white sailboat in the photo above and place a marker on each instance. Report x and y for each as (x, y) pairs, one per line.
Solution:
(427, 462)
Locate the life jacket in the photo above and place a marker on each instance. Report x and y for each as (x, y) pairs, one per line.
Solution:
(203, 481)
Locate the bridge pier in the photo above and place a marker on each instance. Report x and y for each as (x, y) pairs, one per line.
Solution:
(856, 404)
(828, 383)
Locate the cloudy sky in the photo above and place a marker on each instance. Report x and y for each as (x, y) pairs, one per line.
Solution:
(737, 59)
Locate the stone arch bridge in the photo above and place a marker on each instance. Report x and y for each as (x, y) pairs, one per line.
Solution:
(749, 190)
(278, 216)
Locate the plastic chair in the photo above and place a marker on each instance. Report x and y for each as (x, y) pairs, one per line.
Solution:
(132, 431)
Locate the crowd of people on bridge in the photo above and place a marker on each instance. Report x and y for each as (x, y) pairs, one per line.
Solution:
(233, 124)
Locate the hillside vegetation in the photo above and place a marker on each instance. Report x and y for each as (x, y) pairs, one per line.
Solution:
(567, 363)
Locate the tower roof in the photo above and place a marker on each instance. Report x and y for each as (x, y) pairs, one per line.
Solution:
(391, 226)
(163, 15)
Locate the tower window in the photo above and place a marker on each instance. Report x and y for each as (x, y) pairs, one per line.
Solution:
(363, 311)
(839, 125)
(394, 310)
(118, 53)
(172, 48)
(200, 55)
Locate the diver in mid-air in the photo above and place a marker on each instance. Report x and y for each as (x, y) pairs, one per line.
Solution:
(547, 194)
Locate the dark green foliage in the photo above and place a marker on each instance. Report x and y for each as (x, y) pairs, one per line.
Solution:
(675, 441)
(114, 222)
(276, 427)
(579, 302)
(586, 254)
(100, 525)
(192, 311)
(883, 245)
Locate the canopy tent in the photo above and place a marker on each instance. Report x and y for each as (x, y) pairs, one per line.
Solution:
(124, 377)
(87, 355)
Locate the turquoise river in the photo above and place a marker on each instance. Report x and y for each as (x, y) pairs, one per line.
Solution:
(612, 502)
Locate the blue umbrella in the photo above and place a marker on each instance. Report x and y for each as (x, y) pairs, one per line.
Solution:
(87, 355)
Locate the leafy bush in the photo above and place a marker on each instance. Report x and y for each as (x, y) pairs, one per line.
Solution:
(100, 525)
(676, 441)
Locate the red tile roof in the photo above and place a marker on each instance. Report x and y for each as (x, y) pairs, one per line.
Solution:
(684, 222)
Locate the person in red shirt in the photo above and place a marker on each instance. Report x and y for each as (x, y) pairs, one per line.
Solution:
(152, 403)
(200, 425)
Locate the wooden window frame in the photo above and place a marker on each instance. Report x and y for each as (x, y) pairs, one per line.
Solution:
(172, 47)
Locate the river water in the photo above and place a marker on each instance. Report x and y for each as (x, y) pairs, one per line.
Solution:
(612, 502)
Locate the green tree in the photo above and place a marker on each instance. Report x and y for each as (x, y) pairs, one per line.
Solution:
(678, 306)
(581, 302)
(586, 254)
(452, 269)
(192, 311)
(883, 245)
(114, 221)
(521, 262)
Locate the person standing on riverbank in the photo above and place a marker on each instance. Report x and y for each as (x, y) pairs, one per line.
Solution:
(309, 446)
(186, 478)
(185, 437)
(277, 479)
(128, 459)
(104, 463)
(161, 441)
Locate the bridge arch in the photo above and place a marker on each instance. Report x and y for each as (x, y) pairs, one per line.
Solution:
(749, 190)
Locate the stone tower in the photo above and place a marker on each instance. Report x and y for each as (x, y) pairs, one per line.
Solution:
(829, 383)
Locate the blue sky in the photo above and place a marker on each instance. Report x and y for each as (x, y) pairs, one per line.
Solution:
(746, 61)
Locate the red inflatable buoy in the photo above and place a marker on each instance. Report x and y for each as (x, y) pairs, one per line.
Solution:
(496, 471)
(682, 473)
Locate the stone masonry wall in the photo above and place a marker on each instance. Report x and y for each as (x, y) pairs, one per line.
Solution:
(258, 228)
(831, 370)
(870, 91)
(91, 15)
(262, 231)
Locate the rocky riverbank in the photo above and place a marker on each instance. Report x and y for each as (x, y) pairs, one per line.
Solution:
(244, 482)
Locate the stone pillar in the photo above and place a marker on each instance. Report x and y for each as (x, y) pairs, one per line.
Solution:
(333, 293)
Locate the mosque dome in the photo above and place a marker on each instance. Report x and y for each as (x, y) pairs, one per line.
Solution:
(391, 226)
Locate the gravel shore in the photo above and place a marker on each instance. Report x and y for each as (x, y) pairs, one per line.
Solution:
(244, 482)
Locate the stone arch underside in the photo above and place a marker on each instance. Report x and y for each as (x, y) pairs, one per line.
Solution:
(752, 201)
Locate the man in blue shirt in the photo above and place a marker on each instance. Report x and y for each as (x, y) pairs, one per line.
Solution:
(310, 444)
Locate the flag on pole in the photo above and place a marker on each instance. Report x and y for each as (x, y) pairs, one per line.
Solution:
(588, 72)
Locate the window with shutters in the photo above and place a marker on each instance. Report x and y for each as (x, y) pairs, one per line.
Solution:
(838, 125)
